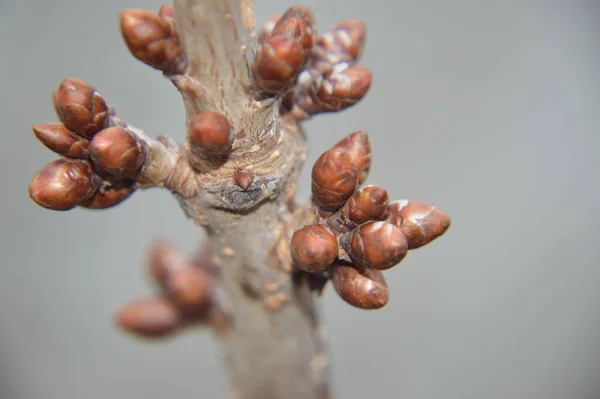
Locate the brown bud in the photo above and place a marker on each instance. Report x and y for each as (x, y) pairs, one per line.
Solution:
(243, 178)
(345, 40)
(80, 107)
(358, 148)
(345, 88)
(117, 151)
(107, 198)
(189, 288)
(61, 140)
(296, 22)
(149, 318)
(363, 288)
(313, 248)
(152, 40)
(278, 63)
(334, 179)
(62, 184)
(368, 203)
(420, 222)
(210, 131)
(164, 260)
(379, 245)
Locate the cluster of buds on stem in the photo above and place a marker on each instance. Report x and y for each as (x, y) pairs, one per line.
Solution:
(189, 294)
(311, 73)
(100, 160)
(359, 233)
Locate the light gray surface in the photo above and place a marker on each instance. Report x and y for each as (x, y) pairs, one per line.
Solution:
(489, 109)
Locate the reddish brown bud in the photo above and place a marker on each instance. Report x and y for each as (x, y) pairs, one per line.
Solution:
(61, 140)
(189, 288)
(278, 63)
(152, 40)
(296, 22)
(210, 131)
(149, 318)
(365, 288)
(117, 151)
(420, 222)
(62, 184)
(379, 245)
(107, 198)
(345, 88)
(358, 148)
(164, 260)
(243, 178)
(368, 203)
(344, 41)
(334, 179)
(313, 248)
(80, 107)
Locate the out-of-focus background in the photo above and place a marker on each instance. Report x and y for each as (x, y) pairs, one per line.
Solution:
(489, 109)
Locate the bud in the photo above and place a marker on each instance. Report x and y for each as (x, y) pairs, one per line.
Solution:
(334, 179)
(358, 147)
(62, 184)
(149, 318)
(420, 222)
(243, 178)
(379, 245)
(278, 63)
(297, 22)
(267, 29)
(368, 203)
(152, 39)
(344, 41)
(164, 260)
(189, 288)
(210, 131)
(61, 140)
(108, 198)
(80, 107)
(345, 88)
(363, 288)
(117, 151)
(313, 248)
(166, 12)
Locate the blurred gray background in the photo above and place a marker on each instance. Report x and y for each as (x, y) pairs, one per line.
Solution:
(490, 109)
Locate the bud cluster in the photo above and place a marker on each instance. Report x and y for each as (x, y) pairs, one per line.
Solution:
(99, 162)
(153, 39)
(359, 232)
(188, 295)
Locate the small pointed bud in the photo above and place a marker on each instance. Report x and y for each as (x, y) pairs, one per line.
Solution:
(267, 29)
(379, 245)
(363, 288)
(344, 41)
(210, 131)
(61, 140)
(117, 151)
(278, 63)
(345, 88)
(152, 39)
(334, 179)
(358, 147)
(313, 248)
(420, 222)
(80, 107)
(297, 22)
(243, 178)
(62, 184)
(149, 318)
(107, 198)
(189, 288)
(368, 203)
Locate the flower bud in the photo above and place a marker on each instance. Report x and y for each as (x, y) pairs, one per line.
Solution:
(313, 248)
(80, 107)
(363, 288)
(368, 203)
(107, 198)
(164, 260)
(61, 140)
(344, 41)
(278, 63)
(117, 151)
(334, 179)
(149, 318)
(62, 184)
(297, 22)
(358, 148)
(345, 88)
(379, 245)
(420, 222)
(210, 131)
(152, 39)
(189, 288)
